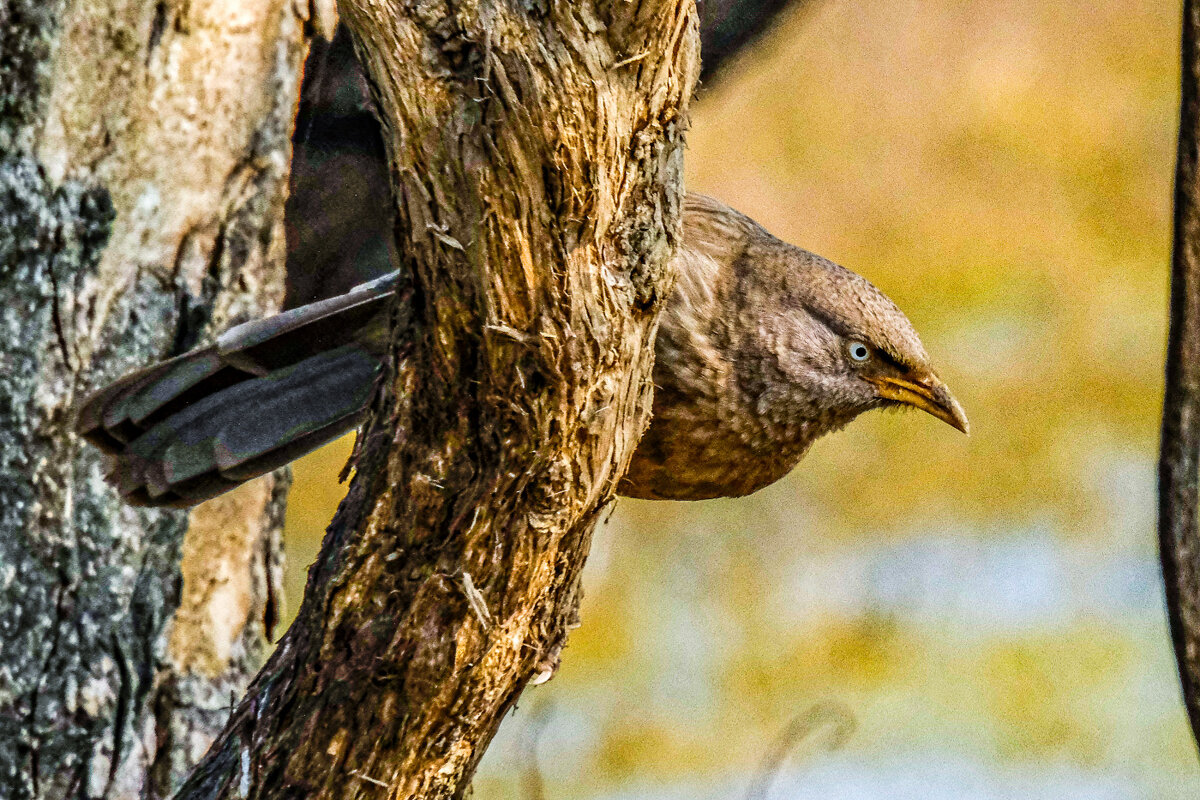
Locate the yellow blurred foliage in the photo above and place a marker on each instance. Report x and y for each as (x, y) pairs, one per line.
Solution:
(1002, 169)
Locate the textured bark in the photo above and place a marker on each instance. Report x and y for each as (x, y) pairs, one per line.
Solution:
(536, 151)
(1179, 538)
(143, 153)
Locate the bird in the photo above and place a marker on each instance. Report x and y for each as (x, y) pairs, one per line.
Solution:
(761, 349)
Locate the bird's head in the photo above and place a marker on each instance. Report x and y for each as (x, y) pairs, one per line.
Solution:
(844, 343)
(810, 344)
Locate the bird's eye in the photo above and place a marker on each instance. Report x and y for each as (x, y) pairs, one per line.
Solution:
(858, 352)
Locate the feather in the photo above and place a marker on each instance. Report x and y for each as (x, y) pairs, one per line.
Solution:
(264, 394)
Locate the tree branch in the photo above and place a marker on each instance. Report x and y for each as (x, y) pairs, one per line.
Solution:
(1179, 539)
(536, 157)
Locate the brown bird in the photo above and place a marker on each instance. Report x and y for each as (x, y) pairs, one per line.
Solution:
(762, 348)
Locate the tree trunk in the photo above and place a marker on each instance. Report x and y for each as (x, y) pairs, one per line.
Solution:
(536, 154)
(143, 153)
(1179, 538)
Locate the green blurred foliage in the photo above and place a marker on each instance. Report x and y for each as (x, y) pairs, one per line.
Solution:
(1002, 169)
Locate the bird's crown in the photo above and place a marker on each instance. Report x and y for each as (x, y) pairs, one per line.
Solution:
(770, 269)
(851, 305)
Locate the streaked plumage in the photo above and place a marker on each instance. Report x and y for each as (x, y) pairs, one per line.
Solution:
(752, 366)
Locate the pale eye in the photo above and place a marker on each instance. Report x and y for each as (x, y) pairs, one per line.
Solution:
(858, 352)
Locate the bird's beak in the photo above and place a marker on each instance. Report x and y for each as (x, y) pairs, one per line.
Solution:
(927, 393)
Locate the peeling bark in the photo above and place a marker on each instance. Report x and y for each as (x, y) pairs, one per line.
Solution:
(143, 154)
(536, 155)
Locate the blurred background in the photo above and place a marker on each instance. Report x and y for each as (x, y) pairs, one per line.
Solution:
(948, 617)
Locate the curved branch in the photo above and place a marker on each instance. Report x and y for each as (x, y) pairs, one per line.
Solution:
(536, 155)
(1179, 539)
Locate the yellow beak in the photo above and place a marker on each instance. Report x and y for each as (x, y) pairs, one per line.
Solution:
(927, 393)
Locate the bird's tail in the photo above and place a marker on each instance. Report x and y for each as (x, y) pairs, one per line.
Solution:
(265, 393)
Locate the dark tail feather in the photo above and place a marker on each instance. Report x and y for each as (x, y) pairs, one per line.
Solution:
(247, 429)
(265, 394)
